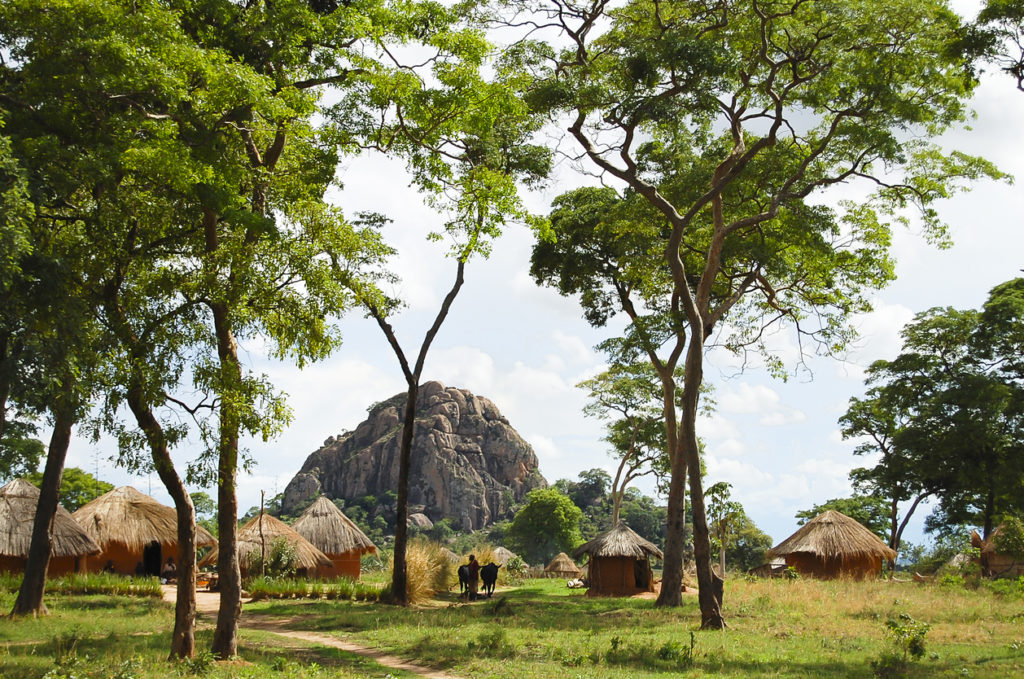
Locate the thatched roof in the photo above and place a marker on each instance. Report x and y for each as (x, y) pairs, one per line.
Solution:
(18, 500)
(306, 555)
(619, 541)
(330, 531)
(133, 519)
(833, 535)
(502, 555)
(562, 564)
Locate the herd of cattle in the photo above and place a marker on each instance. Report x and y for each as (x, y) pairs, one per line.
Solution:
(488, 576)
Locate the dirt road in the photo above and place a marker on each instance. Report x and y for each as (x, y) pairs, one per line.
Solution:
(207, 604)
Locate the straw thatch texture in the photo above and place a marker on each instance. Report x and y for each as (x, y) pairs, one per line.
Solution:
(133, 520)
(502, 555)
(995, 563)
(619, 541)
(563, 567)
(833, 544)
(330, 531)
(18, 500)
(307, 557)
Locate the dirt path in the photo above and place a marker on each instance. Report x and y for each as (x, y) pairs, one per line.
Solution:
(207, 604)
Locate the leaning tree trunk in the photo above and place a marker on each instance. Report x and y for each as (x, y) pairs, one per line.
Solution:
(672, 574)
(229, 574)
(710, 605)
(183, 638)
(30, 596)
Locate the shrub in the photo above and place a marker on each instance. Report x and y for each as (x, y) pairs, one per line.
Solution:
(907, 636)
(428, 570)
(280, 559)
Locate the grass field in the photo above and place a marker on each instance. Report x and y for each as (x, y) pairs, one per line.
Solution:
(778, 628)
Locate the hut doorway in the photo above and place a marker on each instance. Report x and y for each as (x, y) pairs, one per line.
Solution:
(641, 569)
(151, 559)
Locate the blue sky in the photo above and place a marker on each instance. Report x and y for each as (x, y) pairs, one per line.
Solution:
(525, 347)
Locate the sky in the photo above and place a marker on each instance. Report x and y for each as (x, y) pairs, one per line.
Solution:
(525, 347)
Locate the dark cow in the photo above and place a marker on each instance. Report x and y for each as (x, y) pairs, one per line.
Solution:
(489, 576)
(463, 580)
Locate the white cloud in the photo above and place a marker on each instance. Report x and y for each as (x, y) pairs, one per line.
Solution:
(748, 399)
(544, 447)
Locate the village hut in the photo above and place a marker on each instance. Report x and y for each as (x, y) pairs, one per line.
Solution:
(329, 530)
(994, 562)
(502, 555)
(620, 562)
(562, 567)
(136, 534)
(832, 545)
(258, 536)
(71, 544)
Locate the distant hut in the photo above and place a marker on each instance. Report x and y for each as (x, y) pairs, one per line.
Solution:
(833, 545)
(132, 528)
(71, 544)
(502, 556)
(329, 530)
(308, 559)
(562, 567)
(995, 563)
(620, 562)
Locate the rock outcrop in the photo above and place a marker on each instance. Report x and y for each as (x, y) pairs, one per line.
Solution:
(468, 464)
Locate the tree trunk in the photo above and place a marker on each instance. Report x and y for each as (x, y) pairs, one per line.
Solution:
(672, 570)
(710, 606)
(229, 574)
(183, 638)
(30, 596)
(400, 574)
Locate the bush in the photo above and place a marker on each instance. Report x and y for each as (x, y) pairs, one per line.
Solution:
(428, 570)
(280, 562)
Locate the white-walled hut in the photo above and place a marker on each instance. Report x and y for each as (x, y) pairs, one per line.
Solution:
(329, 530)
(620, 562)
(70, 547)
(132, 528)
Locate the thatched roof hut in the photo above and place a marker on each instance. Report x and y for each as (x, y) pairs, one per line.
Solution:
(562, 567)
(132, 528)
(308, 559)
(18, 500)
(619, 562)
(502, 555)
(832, 545)
(329, 530)
(995, 563)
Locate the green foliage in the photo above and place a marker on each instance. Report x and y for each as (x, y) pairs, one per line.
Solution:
(280, 560)
(1009, 538)
(999, 37)
(870, 511)
(548, 523)
(908, 637)
(20, 452)
(77, 487)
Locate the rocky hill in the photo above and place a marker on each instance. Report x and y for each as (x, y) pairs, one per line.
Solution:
(468, 463)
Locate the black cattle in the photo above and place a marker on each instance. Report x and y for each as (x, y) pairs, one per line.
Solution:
(463, 579)
(489, 576)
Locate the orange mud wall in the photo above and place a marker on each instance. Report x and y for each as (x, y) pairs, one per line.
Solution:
(125, 559)
(618, 575)
(59, 565)
(345, 566)
(815, 566)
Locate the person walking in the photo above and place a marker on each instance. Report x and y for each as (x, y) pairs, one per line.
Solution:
(474, 577)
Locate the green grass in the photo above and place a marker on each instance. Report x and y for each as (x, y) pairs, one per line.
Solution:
(777, 629)
(105, 637)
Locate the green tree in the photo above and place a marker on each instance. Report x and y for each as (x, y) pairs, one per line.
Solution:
(723, 128)
(746, 544)
(868, 510)
(77, 487)
(465, 141)
(628, 399)
(1002, 27)
(723, 514)
(547, 524)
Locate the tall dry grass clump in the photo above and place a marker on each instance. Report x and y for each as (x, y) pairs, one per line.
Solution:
(428, 570)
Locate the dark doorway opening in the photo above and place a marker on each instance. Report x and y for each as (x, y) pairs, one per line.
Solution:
(151, 558)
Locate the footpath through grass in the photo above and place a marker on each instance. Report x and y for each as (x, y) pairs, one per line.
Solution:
(128, 637)
(778, 628)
